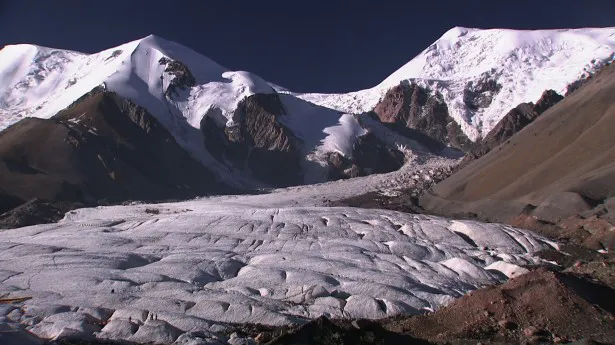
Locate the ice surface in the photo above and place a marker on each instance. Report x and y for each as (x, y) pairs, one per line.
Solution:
(153, 276)
(182, 274)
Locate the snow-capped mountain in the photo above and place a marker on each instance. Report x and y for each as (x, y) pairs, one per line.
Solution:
(469, 76)
(182, 89)
(39, 81)
(503, 67)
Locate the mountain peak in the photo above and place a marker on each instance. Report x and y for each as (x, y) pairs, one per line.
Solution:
(457, 31)
(152, 38)
(502, 67)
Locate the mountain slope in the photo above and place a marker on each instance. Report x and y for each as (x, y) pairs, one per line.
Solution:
(103, 147)
(461, 86)
(40, 82)
(559, 165)
(514, 121)
(493, 69)
(195, 99)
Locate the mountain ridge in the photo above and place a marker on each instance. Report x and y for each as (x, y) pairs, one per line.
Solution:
(465, 55)
(181, 87)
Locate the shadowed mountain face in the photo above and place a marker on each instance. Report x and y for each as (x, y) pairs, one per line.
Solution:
(369, 156)
(103, 147)
(257, 141)
(414, 107)
(560, 165)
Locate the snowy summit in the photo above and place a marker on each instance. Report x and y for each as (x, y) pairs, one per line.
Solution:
(40, 81)
(523, 63)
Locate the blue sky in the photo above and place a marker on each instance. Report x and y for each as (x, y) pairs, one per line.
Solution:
(324, 46)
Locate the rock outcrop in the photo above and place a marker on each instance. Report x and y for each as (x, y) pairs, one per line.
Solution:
(257, 141)
(182, 77)
(480, 94)
(369, 156)
(415, 107)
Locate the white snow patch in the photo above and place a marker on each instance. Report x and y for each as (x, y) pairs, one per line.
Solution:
(341, 138)
(508, 269)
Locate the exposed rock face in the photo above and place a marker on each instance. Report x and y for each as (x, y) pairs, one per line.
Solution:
(369, 156)
(548, 99)
(183, 78)
(373, 157)
(513, 122)
(480, 95)
(34, 212)
(415, 107)
(257, 141)
(101, 148)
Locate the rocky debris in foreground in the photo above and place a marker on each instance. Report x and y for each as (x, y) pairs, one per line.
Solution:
(538, 307)
(326, 332)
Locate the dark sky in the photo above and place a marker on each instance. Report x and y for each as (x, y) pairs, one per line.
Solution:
(325, 46)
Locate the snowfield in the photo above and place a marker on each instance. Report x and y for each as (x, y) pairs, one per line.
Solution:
(161, 271)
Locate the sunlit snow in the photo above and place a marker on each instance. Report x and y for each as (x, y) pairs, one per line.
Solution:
(525, 63)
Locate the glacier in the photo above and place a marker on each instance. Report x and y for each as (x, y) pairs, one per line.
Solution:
(138, 271)
(162, 272)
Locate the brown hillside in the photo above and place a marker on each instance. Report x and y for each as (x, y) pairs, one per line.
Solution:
(102, 147)
(564, 162)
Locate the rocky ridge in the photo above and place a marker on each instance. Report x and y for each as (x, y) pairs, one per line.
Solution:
(411, 106)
